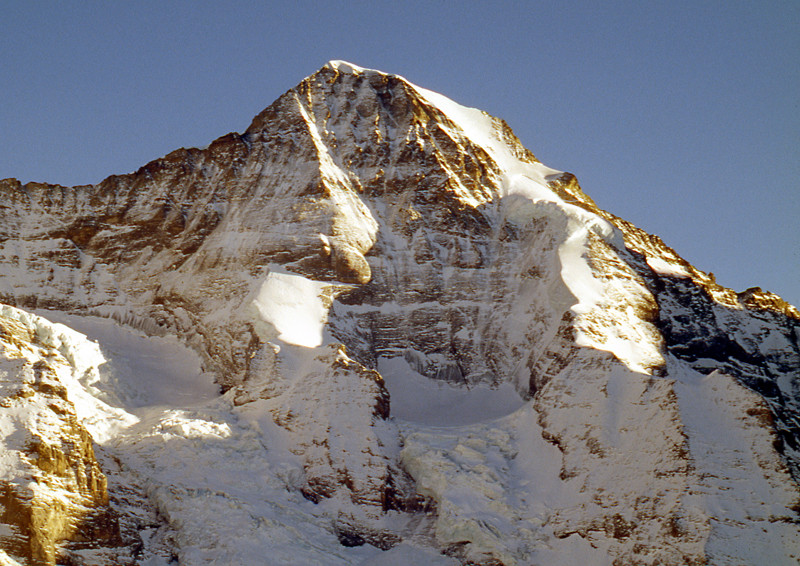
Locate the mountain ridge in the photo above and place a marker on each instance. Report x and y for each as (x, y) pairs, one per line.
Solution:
(364, 239)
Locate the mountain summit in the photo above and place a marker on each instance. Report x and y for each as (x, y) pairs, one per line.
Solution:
(375, 329)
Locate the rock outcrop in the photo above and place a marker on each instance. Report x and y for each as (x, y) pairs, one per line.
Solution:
(54, 500)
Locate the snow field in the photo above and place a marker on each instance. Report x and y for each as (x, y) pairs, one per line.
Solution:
(224, 478)
(742, 482)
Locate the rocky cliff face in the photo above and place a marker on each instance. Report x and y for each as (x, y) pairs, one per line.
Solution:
(54, 501)
(436, 342)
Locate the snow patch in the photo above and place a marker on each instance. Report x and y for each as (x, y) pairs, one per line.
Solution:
(293, 306)
(137, 370)
(419, 399)
(663, 267)
(345, 67)
(6, 560)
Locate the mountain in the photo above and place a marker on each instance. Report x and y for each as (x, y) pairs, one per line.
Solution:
(374, 329)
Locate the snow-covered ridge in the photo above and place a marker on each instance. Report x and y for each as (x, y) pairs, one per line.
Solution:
(526, 189)
(345, 67)
(527, 186)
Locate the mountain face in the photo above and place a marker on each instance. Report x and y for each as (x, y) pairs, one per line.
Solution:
(375, 329)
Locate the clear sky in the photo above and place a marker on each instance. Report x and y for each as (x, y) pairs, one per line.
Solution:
(682, 117)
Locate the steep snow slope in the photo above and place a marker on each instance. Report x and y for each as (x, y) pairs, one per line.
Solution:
(428, 341)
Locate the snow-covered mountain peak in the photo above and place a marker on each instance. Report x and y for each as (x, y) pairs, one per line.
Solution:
(345, 67)
(429, 348)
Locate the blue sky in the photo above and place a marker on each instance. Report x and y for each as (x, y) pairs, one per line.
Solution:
(682, 117)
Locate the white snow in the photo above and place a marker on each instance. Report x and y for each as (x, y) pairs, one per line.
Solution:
(480, 128)
(293, 305)
(84, 358)
(497, 485)
(6, 560)
(345, 67)
(526, 194)
(577, 274)
(748, 501)
(405, 555)
(418, 399)
(224, 478)
(530, 180)
(138, 371)
(663, 267)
